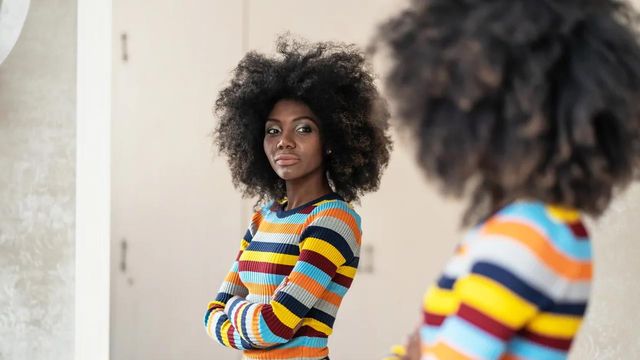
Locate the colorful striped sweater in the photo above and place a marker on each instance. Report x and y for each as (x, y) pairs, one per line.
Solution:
(517, 288)
(281, 297)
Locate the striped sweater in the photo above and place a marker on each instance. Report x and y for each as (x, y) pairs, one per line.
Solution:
(517, 288)
(281, 296)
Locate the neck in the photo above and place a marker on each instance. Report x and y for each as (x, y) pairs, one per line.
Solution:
(301, 191)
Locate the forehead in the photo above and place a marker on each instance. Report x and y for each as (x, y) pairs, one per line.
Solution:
(287, 109)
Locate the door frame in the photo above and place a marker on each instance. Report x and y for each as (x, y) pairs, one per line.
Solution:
(93, 179)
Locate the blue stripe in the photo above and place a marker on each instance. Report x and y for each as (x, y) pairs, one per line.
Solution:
(330, 236)
(428, 334)
(219, 329)
(267, 335)
(243, 328)
(446, 282)
(306, 341)
(206, 316)
(311, 271)
(247, 236)
(471, 340)
(277, 248)
(511, 282)
(291, 303)
(558, 233)
(223, 297)
(337, 289)
(261, 278)
(528, 350)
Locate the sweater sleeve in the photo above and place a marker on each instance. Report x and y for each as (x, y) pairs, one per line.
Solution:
(330, 240)
(216, 321)
(511, 278)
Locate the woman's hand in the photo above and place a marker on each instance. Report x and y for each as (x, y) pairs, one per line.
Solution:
(413, 347)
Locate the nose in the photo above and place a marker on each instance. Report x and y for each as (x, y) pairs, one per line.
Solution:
(285, 142)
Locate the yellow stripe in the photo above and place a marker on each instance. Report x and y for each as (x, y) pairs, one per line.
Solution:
(322, 247)
(317, 325)
(285, 315)
(441, 301)
(555, 325)
(495, 300)
(223, 332)
(270, 257)
(243, 244)
(347, 271)
(563, 214)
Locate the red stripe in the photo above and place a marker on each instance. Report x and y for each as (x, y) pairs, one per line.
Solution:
(232, 342)
(275, 325)
(318, 261)
(309, 331)
(264, 267)
(433, 319)
(485, 322)
(578, 229)
(342, 280)
(307, 210)
(553, 342)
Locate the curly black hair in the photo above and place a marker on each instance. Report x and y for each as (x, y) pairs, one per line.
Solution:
(519, 99)
(335, 81)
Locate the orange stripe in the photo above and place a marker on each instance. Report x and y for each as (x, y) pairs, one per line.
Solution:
(542, 247)
(254, 327)
(285, 228)
(289, 353)
(332, 298)
(307, 283)
(340, 215)
(234, 278)
(444, 351)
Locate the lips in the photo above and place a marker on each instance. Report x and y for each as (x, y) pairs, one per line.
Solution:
(286, 160)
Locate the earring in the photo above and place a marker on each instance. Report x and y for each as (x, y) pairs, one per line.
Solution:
(329, 152)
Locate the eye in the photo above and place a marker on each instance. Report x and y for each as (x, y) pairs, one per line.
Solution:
(304, 129)
(272, 131)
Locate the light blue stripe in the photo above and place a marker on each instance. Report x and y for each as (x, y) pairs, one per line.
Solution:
(267, 335)
(260, 278)
(528, 350)
(313, 272)
(312, 342)
(559, 234)
(337, 289)
(471, 339)
(429, 333)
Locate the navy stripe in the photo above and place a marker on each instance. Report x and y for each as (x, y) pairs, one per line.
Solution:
(243, 318)
(219, 328)
(512, 282)
(247, 236)
(568, 308)
(446, 282)
(223, 297)
(331, 237)
(321, 316)
(288, 249)
(354, 263)
(292, 304)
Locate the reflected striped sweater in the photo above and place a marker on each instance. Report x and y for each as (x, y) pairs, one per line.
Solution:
(282, 294)
(517, 288)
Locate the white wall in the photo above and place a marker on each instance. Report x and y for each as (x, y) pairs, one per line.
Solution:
(37, 179)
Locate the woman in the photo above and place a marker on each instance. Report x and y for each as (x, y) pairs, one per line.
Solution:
(305, 131)
(531, 108)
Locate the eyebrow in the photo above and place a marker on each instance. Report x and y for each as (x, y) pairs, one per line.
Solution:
(305, 117)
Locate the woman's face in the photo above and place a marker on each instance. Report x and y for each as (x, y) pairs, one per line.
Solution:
(292, 141)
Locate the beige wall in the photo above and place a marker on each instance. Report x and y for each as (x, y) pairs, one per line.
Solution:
(182, 220)
(37, 194)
